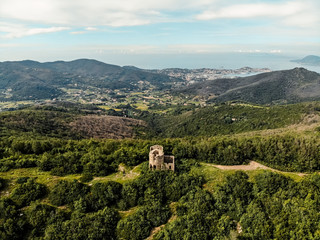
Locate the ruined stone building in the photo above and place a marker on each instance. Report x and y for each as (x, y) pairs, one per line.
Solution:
(159, 161)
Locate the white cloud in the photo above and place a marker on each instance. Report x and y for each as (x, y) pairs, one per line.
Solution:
(95, 12)
(90, 15)
(274, 51)
(78, 32)
(91, 29)
(84, 13)
(19, 30)
(298, 13)
(253, 10)
(84, 31)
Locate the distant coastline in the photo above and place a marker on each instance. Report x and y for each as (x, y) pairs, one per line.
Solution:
(211, 60)
(311, 60)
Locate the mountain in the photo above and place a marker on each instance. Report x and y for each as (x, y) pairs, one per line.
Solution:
(30, 80)
(309, 60)
(287, 86)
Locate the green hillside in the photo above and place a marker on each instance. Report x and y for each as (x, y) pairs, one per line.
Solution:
(55, 183)
(229, 119)
(56, 189)
(30, 80)
(79, 121)
(287, 86)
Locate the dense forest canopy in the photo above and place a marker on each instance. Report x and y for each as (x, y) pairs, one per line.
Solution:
(58, 183)
(267, 206)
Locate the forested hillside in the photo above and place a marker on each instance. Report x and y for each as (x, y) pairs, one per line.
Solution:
(62, 177)
(30, 80)
(93, 81)
(56, 189)
(77, 121)
(228, 119)
(287, 86)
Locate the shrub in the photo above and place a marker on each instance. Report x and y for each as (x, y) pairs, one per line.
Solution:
(27, 192)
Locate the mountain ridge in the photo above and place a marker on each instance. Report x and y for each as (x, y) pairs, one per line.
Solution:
(31, 80)
(283, 86)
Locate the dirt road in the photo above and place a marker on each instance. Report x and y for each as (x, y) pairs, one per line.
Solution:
(250, 167)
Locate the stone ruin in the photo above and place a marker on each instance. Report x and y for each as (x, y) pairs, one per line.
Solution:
(159, 161)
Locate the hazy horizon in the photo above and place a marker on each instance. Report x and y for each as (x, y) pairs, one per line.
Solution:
(161, 34)
(193, 61)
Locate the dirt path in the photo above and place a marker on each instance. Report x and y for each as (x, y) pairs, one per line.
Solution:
(250, 167)
(121, 175)
(157, 229)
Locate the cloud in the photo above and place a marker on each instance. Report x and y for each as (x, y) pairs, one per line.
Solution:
(84, 13)
(253, 11)
(96, 12)
(19, 30)
(78, 32)
(91, 29)
(273, 51)
(83, 16)
(291, 13)
(84, 31)
(88, 15)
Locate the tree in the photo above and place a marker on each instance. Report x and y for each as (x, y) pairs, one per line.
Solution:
(66, 192)
(234, 195)
(27, 192)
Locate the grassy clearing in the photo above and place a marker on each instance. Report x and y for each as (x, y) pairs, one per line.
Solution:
(50, 181)
(117, 177)
(215, 176)
(41, 177)
(127, 175)
(105, 107)
(250, 105)
(142, 106)
(137, 93)
(15, 104)
(125, 214)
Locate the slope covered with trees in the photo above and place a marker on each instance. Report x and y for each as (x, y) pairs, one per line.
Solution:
(77, 121)
(30, 80)
(287, 86)
(266, 206)
(226, 119)
(55, 183)
(51, 188)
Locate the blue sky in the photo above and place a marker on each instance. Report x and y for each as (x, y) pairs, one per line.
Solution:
(128, 31)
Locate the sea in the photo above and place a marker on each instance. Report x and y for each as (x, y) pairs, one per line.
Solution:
(216, 61)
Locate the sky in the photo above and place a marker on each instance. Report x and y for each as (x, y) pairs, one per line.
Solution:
(148, 33)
